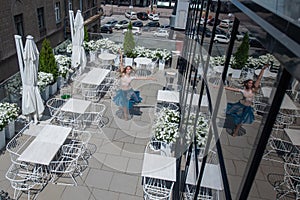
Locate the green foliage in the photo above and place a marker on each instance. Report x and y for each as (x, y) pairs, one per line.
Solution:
(86, 35)
(241, 55)
(47, 60)
(129, 43)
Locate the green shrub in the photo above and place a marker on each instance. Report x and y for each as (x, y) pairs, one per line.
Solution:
(129, 43)
(241, 55)
(47, 60)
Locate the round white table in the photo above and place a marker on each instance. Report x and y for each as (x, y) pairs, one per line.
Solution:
(107, 56)
(142, 60)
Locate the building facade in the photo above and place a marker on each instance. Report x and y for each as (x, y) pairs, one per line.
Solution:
(41, 19)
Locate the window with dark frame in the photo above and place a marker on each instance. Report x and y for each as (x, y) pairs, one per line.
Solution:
(57, 12)
(18, 19)
(41, 21)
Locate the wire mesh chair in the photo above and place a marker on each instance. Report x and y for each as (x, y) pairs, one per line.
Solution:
(94, 117)
(23, 180)
(204, 193)
(156, 189)
(54, 106)
(91, 93)
(158, 147)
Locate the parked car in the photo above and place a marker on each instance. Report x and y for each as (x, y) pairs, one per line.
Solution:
(220, 31)
(111, 23)
(131, 15)
(151, 26)
(165, 26)
(255, 43)
(161, 33)
(106, 29)
(137, 24)
(135, 31)
(122, 24)
(153, 17)
(207, 32)
(226, 23)
(221, 38)
(142, 16)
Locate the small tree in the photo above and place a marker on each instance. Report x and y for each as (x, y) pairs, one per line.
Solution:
(47, 60)
(129, 43)
(241, 55)
(86, 35)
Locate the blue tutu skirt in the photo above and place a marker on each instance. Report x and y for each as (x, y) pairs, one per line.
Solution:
(241, 114)
(126, 98)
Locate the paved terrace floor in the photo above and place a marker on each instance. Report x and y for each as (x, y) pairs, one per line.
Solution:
(117, 154)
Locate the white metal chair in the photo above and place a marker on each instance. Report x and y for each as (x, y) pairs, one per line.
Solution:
(204, 193)
(54, 106)
(173, 87)
(63, 167)
(17, 144)
(91, 93)
(23, 180)
(158, 147)
(156, 189)
(94, 117)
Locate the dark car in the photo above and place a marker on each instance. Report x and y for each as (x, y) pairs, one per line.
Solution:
(150, 26)
(207, 31)
(165, 26)
(255, 43)
(111, 23)
(220, 31)
(142, 16)
(137, 24)
(106, 29)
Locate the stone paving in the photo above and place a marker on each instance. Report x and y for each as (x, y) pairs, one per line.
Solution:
(114, 170)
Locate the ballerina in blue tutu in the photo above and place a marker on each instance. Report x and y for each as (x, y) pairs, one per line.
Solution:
(126, 93)
(242, 111)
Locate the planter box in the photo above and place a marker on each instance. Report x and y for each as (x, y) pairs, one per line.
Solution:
(45, 93)
(10, 130)
(60, 82)
(2, 139)
(161, 65)
(53, 88)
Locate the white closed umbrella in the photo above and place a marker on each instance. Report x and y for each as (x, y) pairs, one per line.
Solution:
(32, 103)
(78, 53)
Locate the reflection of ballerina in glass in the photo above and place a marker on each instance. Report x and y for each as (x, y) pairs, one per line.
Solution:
(125, 93)
(242, 111)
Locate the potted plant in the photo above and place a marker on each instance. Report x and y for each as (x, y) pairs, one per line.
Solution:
(44, 79)
(64, 67)
(48, 64)
(13, 88)
(166, 126)
(201, 131)
(8, 113)
(129, 44)
(241, 55)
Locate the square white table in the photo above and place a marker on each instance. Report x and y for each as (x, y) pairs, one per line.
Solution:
(142, 60)
(211, 177)
(173, 96)
(287, 102)
(294, 135)
(76, 106)
(45, 146)
(95, 77)
(160, 167)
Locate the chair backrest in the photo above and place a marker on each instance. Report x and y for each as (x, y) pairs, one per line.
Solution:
(156, 189)
(158, 147)
(173, 87)
(17, 145)
(292, 175)
(128, 61)
(54, 106)
(236, 74)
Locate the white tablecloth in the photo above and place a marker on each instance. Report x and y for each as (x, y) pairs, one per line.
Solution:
(211, 177)
(160, 167)
(45, 146)
(95, 76)
(76, 106)
(294, 135)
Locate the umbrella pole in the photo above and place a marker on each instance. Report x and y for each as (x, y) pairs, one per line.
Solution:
(20, 50)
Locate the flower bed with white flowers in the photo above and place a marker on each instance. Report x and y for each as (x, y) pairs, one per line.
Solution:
(8, 113)
(201, 131)
(44, 79)
(64, 65)
(166, 126)
(14, 84)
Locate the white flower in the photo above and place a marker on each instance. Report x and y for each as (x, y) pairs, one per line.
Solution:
(8, 113)
(64, 64)
(14, 84)
(44, 79)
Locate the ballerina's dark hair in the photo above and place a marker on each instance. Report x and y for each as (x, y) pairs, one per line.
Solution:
(246, 81)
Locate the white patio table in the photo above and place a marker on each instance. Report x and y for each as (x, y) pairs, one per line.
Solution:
(173, 97)
(45, 146)
(160, 167)
(107, 57)
(142, 60)
(294, 135)
(95, 77)
(287, 102)
(76, 106)
(267, 73)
